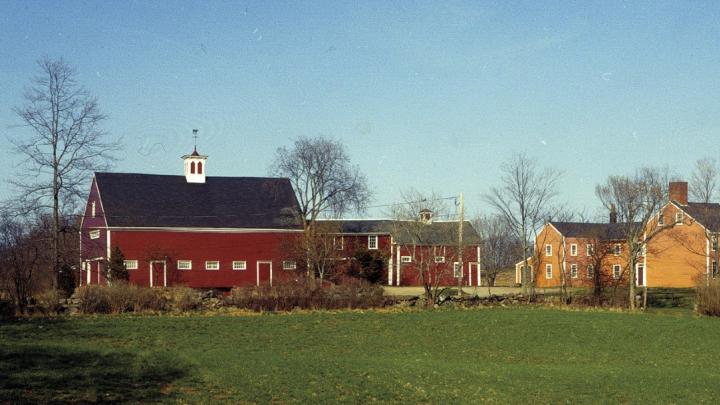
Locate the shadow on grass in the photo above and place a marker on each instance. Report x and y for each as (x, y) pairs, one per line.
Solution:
(59, 374)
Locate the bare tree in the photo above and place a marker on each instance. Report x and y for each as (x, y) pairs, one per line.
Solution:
(426, 240)
(499, 245)
(325, 182)
(637, 198)
(523, 200)
(704, 180)
(64, 146)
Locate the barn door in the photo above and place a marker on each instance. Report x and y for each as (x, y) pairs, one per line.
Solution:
(264, 273)
(158, 274)
(474, 271)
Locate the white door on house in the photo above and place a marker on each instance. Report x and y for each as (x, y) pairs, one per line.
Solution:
(640, 275)
(475, 276)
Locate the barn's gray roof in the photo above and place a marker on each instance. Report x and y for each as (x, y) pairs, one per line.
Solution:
(147, 200)
(406, 232)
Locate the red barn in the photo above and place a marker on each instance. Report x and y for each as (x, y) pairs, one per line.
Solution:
(409, 247)
(193, 230)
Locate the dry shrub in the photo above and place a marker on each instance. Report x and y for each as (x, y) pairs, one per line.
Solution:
(117, 298)
(148, 299)
(94, 299)
(184, 299)
(308, 293)
(120, 296)
(50, 301)
(708, 297)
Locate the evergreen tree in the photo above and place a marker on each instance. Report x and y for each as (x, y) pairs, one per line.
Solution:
(116, 266)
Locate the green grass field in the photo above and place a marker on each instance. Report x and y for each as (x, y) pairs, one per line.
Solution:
(484, 355)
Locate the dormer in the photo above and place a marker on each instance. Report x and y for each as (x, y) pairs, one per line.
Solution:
(195, 167)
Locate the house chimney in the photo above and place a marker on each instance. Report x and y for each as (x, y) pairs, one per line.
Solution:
(613, 214)
(426, 215)
(678, 191)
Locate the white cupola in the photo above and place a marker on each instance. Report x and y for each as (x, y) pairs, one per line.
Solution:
(195, 165)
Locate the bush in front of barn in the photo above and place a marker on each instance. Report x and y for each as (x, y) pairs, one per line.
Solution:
(121, 297)
(707, 301)
(306, 293)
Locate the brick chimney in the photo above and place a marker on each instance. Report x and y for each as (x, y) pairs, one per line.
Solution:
(613, 214)
(678, 191)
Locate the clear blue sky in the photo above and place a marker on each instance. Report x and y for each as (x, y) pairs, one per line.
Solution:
(430, 95)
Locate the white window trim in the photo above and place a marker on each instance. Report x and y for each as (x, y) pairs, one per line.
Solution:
(617, 249)
(405, 259)
(209, 266)
(548, 271)
(589, 249)
(289, 265)
(457, 270)
(616, 275)
(131, 264)
(661, 219)
(94, 234)
(341, 245)
(239, 265)
(188, 262)
(92, 209)
(548, 248)
(573, 249)
(679, 217)
(374, 245)
(439, 259)
(590, 269)
(573, 271)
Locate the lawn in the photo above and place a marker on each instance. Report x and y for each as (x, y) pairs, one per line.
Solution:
(483, 355)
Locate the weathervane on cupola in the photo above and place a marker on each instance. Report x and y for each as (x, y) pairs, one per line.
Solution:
(195, 164)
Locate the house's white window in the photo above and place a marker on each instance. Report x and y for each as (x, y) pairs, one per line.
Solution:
(131, 264)
(92, 209)
(589, 249)
(661, 219)
(289, 265)
(548, 271)
(212, 265)
(457, 270)
(548, 250)
(590, 271)
(573, 249)
(617, 249)
(184, 264)
(239, 265)
(406, 259)
(714, 269)
(339, 243)
(439, 259)
(679, 217)
(95, 234)
(372, 242)
(573, 271)
(617, 271)
(714, 240)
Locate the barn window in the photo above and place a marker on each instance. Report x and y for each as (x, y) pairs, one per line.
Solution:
(406, 259)
(131, 264)
(590, 271)
(439, 259)
(212, 265)
(92, 209)
(199, 167)
(573, 249)
(239, 265)
(548, 271)
(548, 250)
(289, 265)
(573, 271)
(95, 234)
(617, 271)
(192, 167)
(184, 264)
(338, 242)
(372, 242)
(457, 270)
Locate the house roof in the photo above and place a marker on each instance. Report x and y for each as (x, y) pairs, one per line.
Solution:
(707, 214)
(147, 200)
(605, 231)
(406, 232)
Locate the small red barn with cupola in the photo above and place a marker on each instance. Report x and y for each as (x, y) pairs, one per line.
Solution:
(195, 230)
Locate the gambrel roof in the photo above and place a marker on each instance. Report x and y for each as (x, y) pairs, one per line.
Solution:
(150, 201)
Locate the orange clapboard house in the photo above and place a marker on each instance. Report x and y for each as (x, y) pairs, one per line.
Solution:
(569, 253)
(682, 250)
